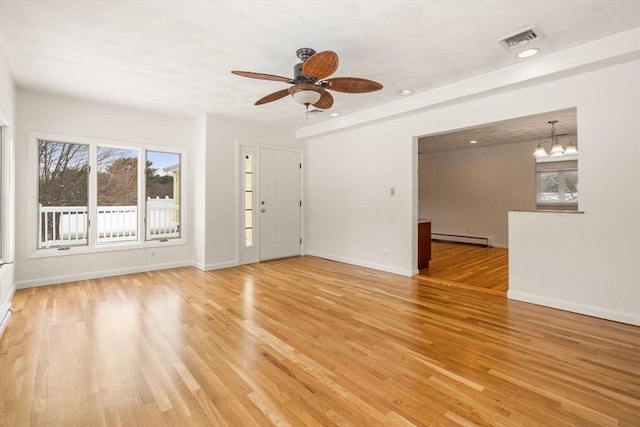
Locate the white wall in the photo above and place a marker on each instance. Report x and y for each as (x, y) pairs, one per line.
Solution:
(7, 115)
(65, 116)
(469, 192)
(197, 191)
(212, 210)
(352, 218)
(603, 243)
(223, 135)
(351, 215)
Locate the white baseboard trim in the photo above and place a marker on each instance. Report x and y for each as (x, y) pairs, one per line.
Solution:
(198, 265)
(98, 274)
(360, 263)
(602, 313)
(5, 315)
(219, 265)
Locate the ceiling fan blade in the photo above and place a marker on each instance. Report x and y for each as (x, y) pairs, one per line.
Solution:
(262, 76)
(273, 97)
(325, 102)
(353, 85)
(321, 64)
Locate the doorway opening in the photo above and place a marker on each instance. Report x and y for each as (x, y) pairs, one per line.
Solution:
(468, 181)
(269, 204)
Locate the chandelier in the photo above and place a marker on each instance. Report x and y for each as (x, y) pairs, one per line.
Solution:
(557, 149)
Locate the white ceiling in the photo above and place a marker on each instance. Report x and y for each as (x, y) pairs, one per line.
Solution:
(176, 56)
(522, 129)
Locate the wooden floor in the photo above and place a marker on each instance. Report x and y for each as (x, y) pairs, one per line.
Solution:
(307, 342)
(480, 267)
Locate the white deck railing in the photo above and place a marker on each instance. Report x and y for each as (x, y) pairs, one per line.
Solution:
(67, 225)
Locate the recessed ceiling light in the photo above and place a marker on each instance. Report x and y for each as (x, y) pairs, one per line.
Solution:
(334, 114)
(528, 52)
(473, 141)
(405, 92)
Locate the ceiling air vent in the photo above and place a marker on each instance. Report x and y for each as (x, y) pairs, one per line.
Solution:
(527, 35)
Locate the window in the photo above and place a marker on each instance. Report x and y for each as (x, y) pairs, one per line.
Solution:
(248, 200)
(62, 194)
(101, 195)
(1, 192)
(557, 183)
(163, 195)
(117, 194)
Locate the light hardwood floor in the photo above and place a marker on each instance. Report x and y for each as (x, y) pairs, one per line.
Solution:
(307, 342)
(479, 267)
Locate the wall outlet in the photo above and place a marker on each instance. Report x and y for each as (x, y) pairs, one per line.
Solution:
(386, 252)
(152, 254)
(392, 191)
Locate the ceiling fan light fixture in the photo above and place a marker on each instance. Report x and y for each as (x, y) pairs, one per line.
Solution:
(306, 97)
(306, 93)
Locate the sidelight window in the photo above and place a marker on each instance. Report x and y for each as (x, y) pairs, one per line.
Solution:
(248, 200)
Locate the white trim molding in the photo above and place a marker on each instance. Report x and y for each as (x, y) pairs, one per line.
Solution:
(618, 316)
(100, 274)
(360, 263)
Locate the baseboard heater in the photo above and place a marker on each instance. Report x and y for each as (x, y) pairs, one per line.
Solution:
(5, 314)
(474, 240)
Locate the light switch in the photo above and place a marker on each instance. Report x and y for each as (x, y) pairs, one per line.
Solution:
(392, 191)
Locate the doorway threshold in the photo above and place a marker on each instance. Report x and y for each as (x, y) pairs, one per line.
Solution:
(429, 279)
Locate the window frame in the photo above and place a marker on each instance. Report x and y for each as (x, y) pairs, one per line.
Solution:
(93, 185)
(2, 192)
(87, 207)
(93, 246)
(145, 196)
(7, 193)
(560, 166)
(249, 157)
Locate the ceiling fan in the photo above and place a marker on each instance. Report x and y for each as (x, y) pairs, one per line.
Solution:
(310, 82)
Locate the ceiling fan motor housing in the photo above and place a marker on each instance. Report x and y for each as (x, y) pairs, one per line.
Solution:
(299, 76)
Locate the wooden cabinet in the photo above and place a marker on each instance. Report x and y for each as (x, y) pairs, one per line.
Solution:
(424, 244)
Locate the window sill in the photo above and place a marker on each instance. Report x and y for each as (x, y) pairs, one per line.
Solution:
(567, 211)
(113, 247)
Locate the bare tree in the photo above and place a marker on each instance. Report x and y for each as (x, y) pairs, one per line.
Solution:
(64, 180)
(118, 184)
(63, 173)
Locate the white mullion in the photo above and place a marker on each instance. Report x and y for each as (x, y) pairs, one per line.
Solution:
(92, 196)
(142, 195)
(562, 183)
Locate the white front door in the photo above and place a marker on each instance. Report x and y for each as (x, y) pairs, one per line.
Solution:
(279, 206)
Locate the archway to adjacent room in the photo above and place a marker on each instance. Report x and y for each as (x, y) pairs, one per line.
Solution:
(468, 181)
